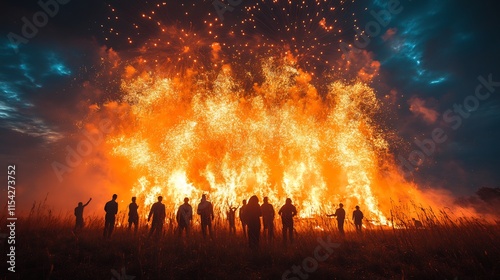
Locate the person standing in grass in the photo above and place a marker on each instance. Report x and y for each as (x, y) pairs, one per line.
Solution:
(253, 214)
(206, 211)
(184, 217)
(287, 212)
(357, 217)
(243, 218)
(231, 218)
(158, 213)
(133, 215)
(268, 219)
(340, 214)
(111, 209)
(79, 215)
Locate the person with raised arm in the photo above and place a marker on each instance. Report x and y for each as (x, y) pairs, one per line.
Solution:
(79, 215)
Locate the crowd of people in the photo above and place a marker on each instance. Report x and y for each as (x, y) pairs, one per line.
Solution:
(250, 215)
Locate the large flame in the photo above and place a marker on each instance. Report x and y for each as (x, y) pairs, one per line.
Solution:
(183, 137)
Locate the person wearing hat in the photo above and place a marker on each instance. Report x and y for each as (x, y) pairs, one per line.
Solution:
(357, 217)
(340, 214)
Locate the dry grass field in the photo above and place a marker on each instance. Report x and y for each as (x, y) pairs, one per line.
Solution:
(445, 248)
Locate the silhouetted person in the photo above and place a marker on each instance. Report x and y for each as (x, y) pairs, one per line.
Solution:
(243, 217)
(79, 215)
(111, 209)
(357, 217)
(206, 211)
(184, 216)
(417, 223)
(159, 214)
(133, 215)
(340, 214)
(268, 218)
(253, 214)
(231, 218)
(287, 212)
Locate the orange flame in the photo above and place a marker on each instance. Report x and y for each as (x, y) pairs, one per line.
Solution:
(183, 137)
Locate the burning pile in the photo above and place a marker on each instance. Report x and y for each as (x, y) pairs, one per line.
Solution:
(182, 137)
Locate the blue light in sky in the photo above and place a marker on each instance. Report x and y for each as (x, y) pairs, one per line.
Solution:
(8, 91)
(57, 67)
(438, 80)
(60, 69)
(409, 44)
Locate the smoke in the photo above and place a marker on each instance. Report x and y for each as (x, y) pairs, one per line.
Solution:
(420, 109)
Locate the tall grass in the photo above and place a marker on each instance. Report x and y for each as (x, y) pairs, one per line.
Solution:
(445, 248)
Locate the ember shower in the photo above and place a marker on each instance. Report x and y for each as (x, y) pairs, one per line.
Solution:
(233, 110)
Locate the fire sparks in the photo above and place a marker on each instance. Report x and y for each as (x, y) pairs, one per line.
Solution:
(186, 137)
(251, 107)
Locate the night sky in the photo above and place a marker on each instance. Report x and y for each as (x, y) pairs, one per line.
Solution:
(431, 54)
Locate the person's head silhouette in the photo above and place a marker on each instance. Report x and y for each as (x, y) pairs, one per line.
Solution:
(133, 199)
(186, 200)
(115, 196)
(253, 200)
(160, 198)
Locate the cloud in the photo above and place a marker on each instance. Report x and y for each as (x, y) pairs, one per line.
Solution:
(418, 108)
(360, 64)
(389, 34)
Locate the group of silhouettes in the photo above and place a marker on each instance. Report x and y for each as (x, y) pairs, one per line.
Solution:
(357, 217)
(249, 214)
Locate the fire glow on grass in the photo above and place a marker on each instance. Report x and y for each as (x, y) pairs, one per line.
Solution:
(183, 137)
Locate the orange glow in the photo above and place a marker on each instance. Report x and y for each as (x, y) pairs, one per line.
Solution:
(184, 135)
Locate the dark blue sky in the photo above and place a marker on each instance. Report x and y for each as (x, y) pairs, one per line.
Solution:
(439, 50)
(431, 55)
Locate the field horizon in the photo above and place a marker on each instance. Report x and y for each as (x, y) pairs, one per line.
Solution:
(444, 248)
